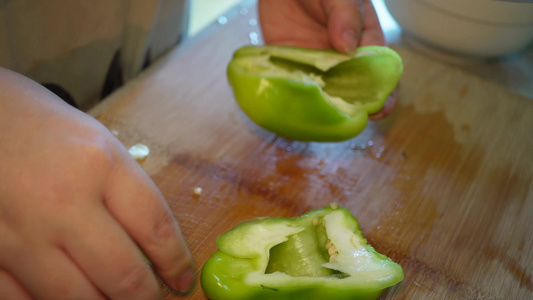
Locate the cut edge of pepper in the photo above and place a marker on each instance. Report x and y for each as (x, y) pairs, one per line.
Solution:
(388, 272)
(264, 66)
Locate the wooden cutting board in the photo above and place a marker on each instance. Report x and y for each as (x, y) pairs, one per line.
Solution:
(443, 186)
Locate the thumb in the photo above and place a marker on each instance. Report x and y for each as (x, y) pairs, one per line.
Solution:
(345, 22)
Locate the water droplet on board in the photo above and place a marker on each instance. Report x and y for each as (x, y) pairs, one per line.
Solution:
(380, 151)
(370, 143)
(358, 147)
(243, 11)
(254, 38)
(222, 20)
(252, 22)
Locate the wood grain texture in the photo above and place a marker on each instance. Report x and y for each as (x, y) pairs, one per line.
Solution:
(443, 186)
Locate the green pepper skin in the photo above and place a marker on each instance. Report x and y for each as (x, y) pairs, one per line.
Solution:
(255, 257)
(276, 88)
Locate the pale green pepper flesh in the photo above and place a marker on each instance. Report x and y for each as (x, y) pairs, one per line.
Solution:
(313, 95)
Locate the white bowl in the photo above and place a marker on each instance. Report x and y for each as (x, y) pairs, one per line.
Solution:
(481, 28)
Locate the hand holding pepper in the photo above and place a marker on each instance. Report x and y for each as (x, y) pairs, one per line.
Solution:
(343, 25)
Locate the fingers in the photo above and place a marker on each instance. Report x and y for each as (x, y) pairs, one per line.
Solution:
(372, 34)
(10, 288)
(345, 22)
(320, 24)
(47, 274)
(353, 23)
(136, 203)
(109, 258)
(299, 23)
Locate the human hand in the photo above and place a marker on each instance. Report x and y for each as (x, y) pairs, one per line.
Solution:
(75, 208)
(343, 25)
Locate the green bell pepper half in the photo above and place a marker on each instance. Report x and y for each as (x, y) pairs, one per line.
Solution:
(313, 95)
(319, 255)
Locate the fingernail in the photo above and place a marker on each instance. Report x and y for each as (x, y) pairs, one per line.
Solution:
(185, 281)
(349, 41)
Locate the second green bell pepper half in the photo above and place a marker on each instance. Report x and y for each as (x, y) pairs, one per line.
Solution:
(319, 255)
(313, 95)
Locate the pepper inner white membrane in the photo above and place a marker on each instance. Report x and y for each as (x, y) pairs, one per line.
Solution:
(305, 256)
